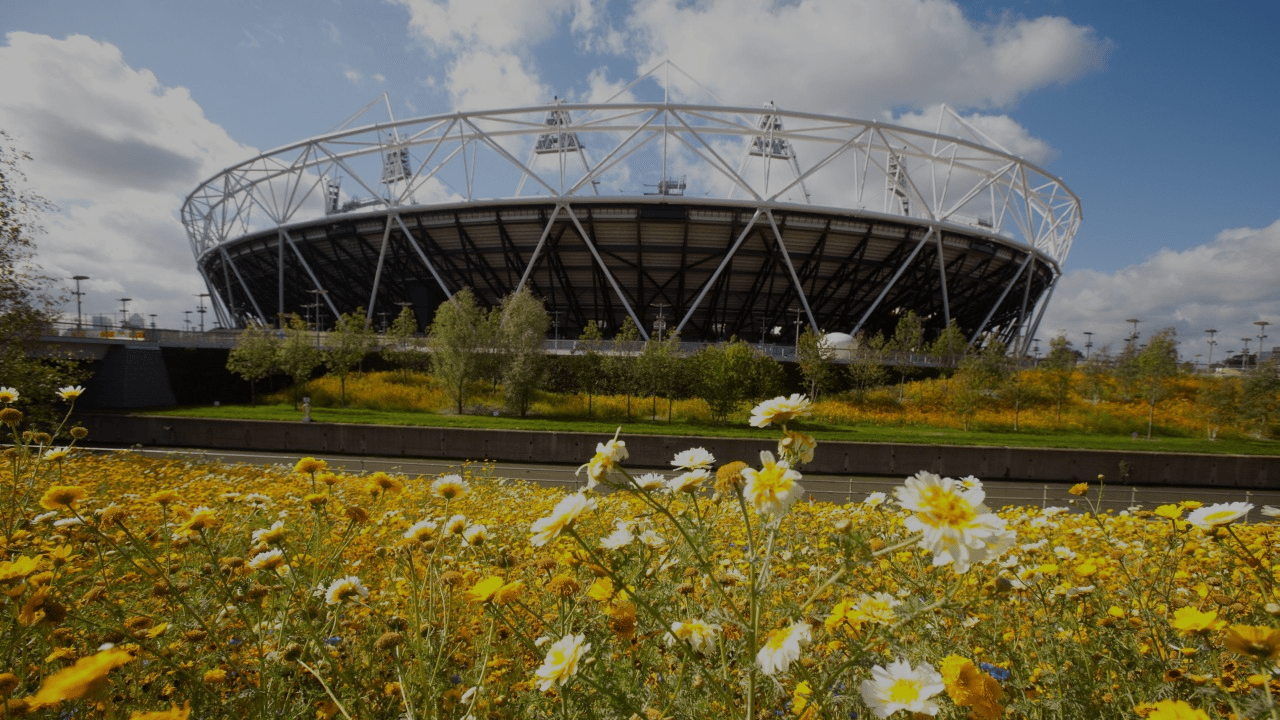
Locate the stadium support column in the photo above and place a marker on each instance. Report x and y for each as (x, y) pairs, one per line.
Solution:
(893, 281)
(280, 288)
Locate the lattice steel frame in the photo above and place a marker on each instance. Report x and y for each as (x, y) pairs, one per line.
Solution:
(984, 234)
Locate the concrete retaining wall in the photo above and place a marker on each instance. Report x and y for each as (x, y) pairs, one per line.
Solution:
(837, 458)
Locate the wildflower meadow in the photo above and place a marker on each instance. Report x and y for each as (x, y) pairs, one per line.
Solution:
(142, 588)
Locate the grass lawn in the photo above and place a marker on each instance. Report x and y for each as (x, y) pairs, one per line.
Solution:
(853, 433)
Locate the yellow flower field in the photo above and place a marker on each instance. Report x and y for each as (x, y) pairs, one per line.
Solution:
(144, 588)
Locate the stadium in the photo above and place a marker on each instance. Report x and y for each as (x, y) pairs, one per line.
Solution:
(705, 220)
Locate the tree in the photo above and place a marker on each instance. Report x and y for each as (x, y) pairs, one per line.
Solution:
(27, 301)
(1155, 366)
(589, 369)
(254, 356)
(866, 366)
(401, 347)
(731, 373)
(351, 339)
(816, 366)
(620, 364)
(950, 346)
(297, 356)
(979, 378)
(1260, 396)
(1219, 404)
(457, 338)
(522, 329)
(658, 371)
(1058, 366)
(908, 338)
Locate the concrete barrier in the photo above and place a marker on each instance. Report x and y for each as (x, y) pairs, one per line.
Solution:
(570, 448)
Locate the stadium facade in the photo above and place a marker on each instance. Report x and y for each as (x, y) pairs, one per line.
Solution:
(706, 220)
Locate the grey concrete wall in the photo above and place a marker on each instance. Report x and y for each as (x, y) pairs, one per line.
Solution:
(852, 458)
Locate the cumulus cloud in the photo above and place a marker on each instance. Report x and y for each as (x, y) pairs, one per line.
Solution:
(1223, 284)
(861, 57)
(452, 25)
(118, 152)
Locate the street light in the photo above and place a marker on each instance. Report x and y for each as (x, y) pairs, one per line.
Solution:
(661, 323)
(78, 295)
(1088, 343)
(1133, 335)
(202, 309)
(797, 322)
(1262, 335)
(153, 320)
(124, 312)
(186, 321)
(1244, 361)
(317, 292)
(1212, 342)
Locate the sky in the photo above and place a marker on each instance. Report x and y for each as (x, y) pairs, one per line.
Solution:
(1161, 117)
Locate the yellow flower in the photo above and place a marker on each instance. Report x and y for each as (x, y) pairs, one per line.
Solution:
(797, 448)
(383, 481)
(310, 465)
(1175, 710)
(508, 592)
(1079, 489)
(1172, 512)
(1254, 641)
(608, 456)
(800, 697)
(484, 590)
(59, 497)
(8, 395)
(217, 676)
(343, 588)
(202, 518)
(83, 679)
(1188, 620)
(970, 687)
(163, 497)
(773, 488)
(23, 566)
(70, 392)
(173, 713)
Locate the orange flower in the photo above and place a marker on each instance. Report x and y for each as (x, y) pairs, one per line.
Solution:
(85, 678)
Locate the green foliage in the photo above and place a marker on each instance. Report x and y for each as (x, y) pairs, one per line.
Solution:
(1260, 397)
(521, 330)
(297, 356)
(950, 346)
(1058, 366)
(27, 300)
(866, 367)
(402, 347)
(458, 338)
(254, 357)
(351, 339)
(730, 374)
(1156, 365)
(816, 366)
(621, 365)
(1219, 401)
(660, 371)
(589, 367)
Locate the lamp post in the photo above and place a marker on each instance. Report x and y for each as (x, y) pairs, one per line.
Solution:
(798, 322)
(1212, 342)
(1262, 335)
(153, 320)
(661, 323)
(1088, 343)
(1244, 361)
(317, 292)
(201, 309)
(1134, 334)
(78, 295)
(124, 312)
(186, 320)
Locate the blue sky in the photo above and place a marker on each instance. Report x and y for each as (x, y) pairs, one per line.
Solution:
(1160, 117)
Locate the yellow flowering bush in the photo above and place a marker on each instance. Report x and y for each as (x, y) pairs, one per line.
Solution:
(149, 588)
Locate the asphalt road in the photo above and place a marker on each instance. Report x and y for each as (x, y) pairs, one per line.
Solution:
(821, 488)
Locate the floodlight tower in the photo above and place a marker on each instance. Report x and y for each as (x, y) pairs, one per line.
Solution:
(1262, 335)
(1088, 343)
(78, 295)
(1212, 342)
(124, 312)
(202, 309)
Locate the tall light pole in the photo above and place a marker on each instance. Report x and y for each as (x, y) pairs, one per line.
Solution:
(153, 320)
(316, 293)
(78, 295)
(1244, 361)
(1262, 335)
(1212, 342)
(201, 309)
(124, 312)
(1134, 334)
(661, 323)
(186, 320)
(1088, 343)
(797, 322)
